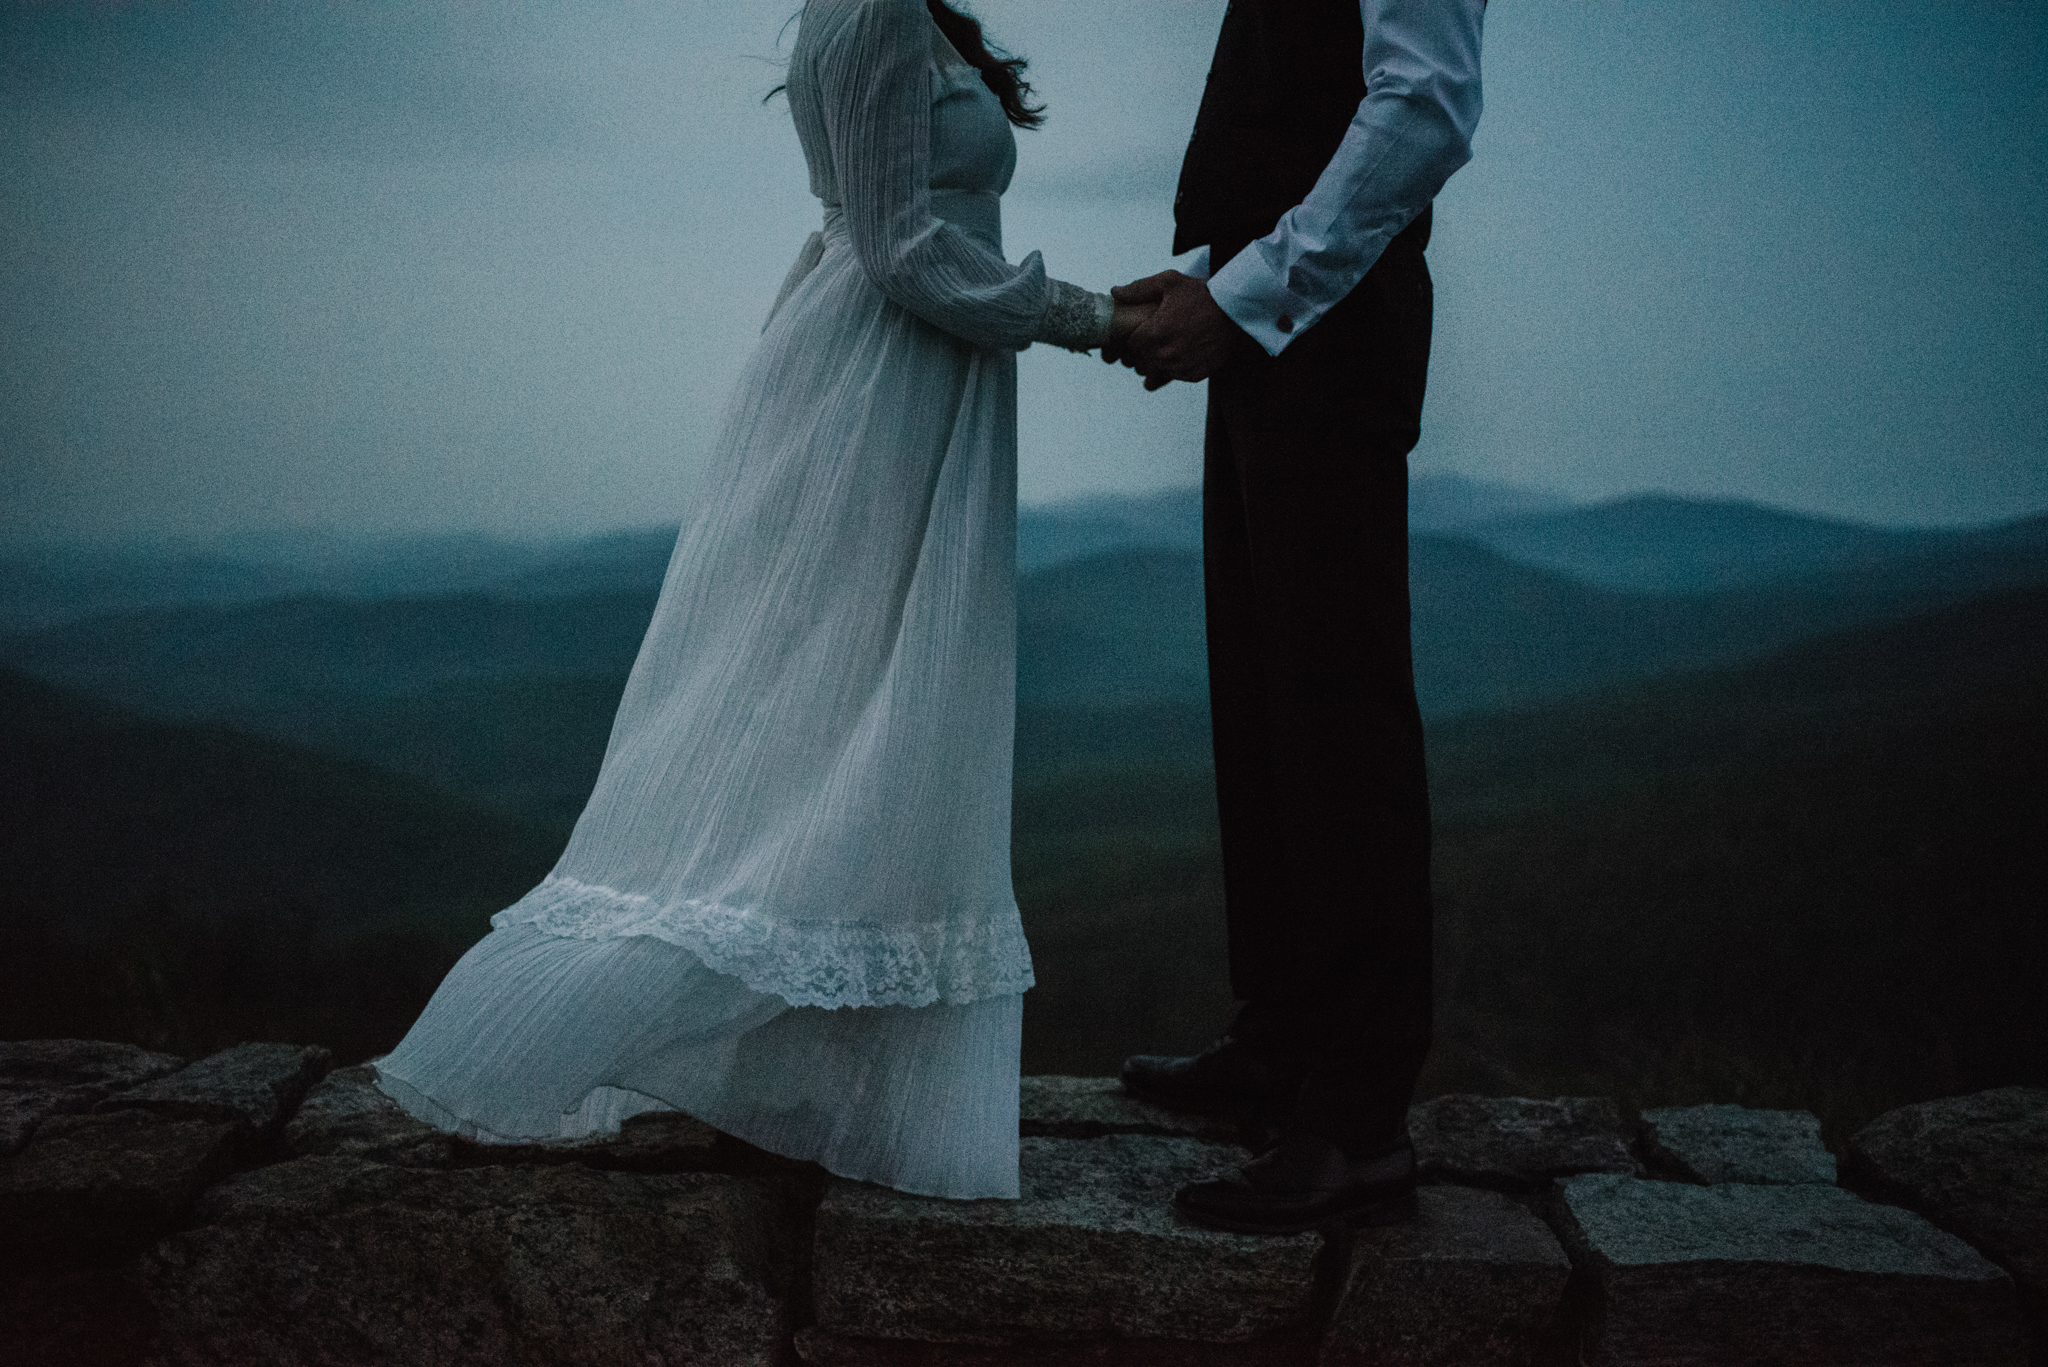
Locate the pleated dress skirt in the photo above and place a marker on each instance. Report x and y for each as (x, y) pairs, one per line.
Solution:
(787, 908)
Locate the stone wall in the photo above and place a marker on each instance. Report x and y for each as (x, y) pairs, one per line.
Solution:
(253, 1207)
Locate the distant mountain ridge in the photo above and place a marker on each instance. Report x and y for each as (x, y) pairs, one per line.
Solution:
(1053, 534)
(512, 697)
(57, 585)
(52, 585)
(1126, 627)
(1659, 543)
(1649, 543)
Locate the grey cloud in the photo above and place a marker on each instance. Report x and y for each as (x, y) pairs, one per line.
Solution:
(259, 81)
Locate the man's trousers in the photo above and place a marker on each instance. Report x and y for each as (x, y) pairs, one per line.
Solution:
(1319, 754)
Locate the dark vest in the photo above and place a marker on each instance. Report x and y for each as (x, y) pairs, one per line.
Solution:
(1287, 79)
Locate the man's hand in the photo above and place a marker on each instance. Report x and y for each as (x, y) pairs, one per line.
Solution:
(1136, 301)
(1188, 337)
(1123, 321)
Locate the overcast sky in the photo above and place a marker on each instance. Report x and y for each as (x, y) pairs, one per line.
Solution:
(485, 264)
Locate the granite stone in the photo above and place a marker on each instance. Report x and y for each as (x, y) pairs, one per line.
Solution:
(1515, 1143)
(1710, 1144)
(1475, 1280)
(1978, 1167)
(347, 1116)
(1739, 1274)
(1056, 1107)
(89, 1186)
(257, 1084)
(46, 1077)
(1093, 1250)
(334, 1260)
(89, 1316)
(656, 1141)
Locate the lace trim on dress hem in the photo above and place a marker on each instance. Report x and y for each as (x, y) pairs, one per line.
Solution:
(806, 963)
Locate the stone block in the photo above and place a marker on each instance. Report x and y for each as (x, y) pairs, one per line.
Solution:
(652, 1141)
(20, 1113)
(1709, 1144)
(258, 1084)
(55, 1064)
(655, 1141)
(1516, 1144)
(1978, 1167)
(1743, 1275)
(1092, 1251)
(1089, 1107)
(74, 1317)
(46, 1077)
(88, 1186)
(334, 1260)
(822, 1349)
(347, 1116)
(1474, 1280)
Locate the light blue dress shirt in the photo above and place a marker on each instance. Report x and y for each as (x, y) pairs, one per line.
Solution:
(1412, 130)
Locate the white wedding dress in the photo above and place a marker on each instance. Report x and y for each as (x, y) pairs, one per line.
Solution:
(787, 907)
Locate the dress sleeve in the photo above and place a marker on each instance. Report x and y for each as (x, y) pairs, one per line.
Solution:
(875, 85)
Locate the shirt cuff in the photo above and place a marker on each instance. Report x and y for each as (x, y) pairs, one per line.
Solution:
(1259, 301)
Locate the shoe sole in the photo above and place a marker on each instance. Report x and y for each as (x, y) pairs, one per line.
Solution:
(1390, 1210)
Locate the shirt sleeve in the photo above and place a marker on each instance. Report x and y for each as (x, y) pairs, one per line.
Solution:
(1412, 130)
(875, 77)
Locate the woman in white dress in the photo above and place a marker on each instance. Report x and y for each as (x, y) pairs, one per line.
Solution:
(787, 907)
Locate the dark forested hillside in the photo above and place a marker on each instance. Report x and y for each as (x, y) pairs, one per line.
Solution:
(1817, 880)
(235, 663)
(188, 887)
(44, 586)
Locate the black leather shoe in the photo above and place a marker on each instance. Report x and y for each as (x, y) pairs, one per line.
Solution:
(1228, 1078)
(1301, 1184)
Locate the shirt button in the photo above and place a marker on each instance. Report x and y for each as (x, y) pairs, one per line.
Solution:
(1284, 322)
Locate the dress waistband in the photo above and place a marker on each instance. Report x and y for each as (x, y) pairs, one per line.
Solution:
(978, 212)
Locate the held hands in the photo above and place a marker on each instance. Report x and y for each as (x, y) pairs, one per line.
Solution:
(1167, 328)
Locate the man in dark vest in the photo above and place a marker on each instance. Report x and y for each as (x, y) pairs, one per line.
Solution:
(1327, 128)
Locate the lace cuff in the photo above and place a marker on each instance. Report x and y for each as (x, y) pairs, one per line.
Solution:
(1074, 318)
